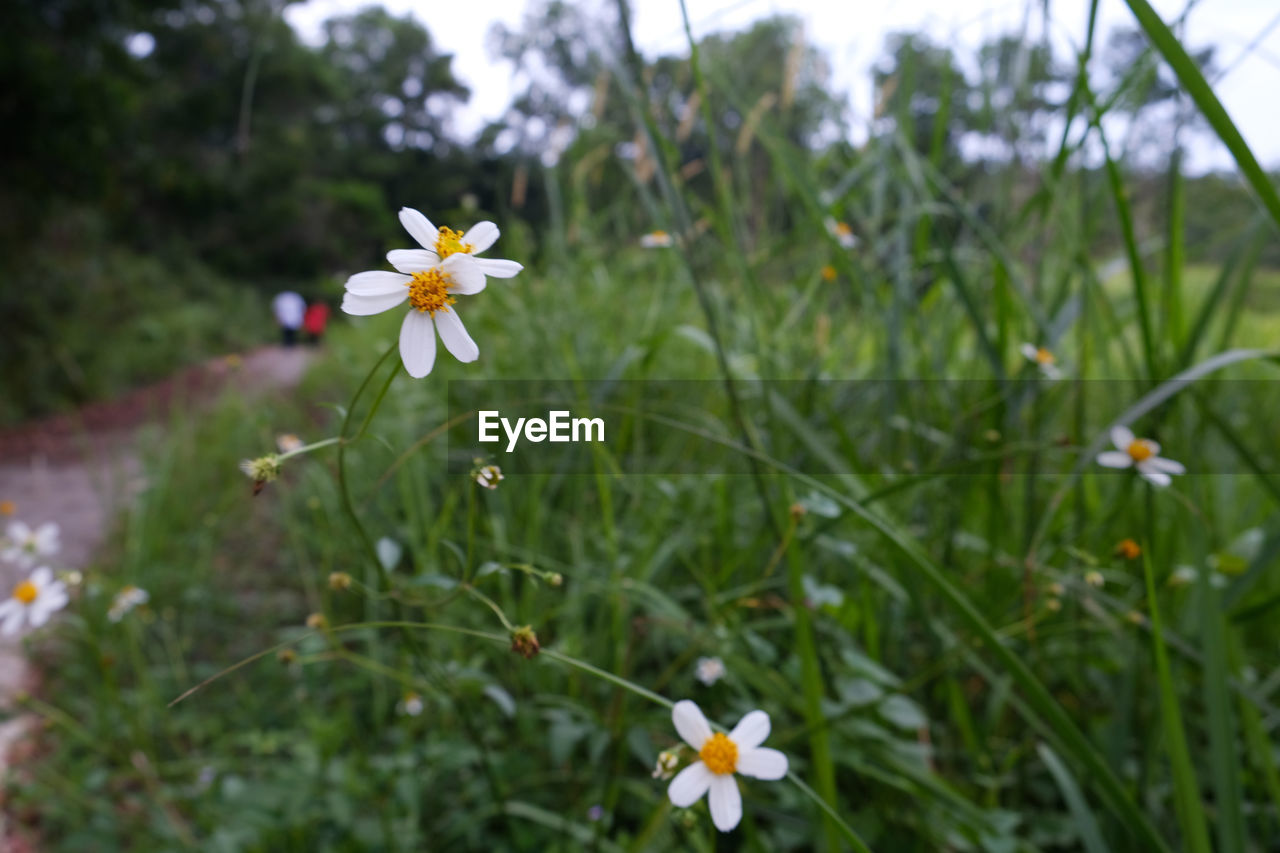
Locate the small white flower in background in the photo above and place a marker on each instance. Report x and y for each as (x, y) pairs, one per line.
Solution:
(1186, 575)
(126, 600)
(1094, 578)
(719, 757)
(709, 670)
(488, 476)
(668, 761)
(1042, 358)
(33, 601)
(411, 705)
(288, 442)
(25, 545)
(1142, 454)
(595, 813)
(657, 240)
(842, 232)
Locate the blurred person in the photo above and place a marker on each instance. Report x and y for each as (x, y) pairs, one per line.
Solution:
(314, 321)
(288, 308)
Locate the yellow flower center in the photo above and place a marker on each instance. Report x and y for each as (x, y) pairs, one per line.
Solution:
(843, 230)
(25, 592)
(1043, 356)
(1140, 450)
(449, 242)
(8, 507)
(719, 754)
(429, 289)
(828, 273)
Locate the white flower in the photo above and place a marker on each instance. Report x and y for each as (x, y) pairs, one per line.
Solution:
(719, 757)
(1043, 359)
(440, 244)
(25, 545)
(288, 442)
(126, 599)
(709, 670)
(33, 600)
(842, 232)
(488, 476)
(656, 240)
(665, 767)
(1140, 453)
(411, 705)
(430, 292)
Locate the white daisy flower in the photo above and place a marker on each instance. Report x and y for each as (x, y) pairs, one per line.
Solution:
(411, 705)
(440, 244)
(430, 291)
(126, 600)
(842, 232)
(657, 240)
(665, 767)
(709, 670)
(488, 476)
(1142, 454)
(719, 757)
(25, 545)
(1042, 358)
(33, 600)
(288, 442)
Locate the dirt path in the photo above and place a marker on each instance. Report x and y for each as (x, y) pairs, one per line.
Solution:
(80, 469)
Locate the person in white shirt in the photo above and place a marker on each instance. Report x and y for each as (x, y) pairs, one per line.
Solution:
(288, 308)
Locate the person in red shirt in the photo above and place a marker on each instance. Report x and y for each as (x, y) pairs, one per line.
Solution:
(314, 321)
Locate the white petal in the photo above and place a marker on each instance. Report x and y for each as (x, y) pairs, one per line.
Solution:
(1153, 446)
(762, 763)
(412, 260)
(726, 802)
(38, 614)
(498, 269)
(18, 531)
(1169, 466)
(1029, 351)
(376, 283)
(419, 227)
(1114, 459)
(1121, 437)
(455, 337)
(751, 731)
(464, 274)
(690, 724)
(1051, 371)
(42, 577)
(11, 613)
(481, 236)
(418, 344)
(689, 785)
(361, 306)
(55, 597)
(1153, 476)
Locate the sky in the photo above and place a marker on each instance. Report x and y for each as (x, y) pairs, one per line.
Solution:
(851, 34)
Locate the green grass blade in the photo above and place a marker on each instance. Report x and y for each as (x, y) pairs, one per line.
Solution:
(1223, 763)
(1086, 825)
(1202, 93)
(1190, 808)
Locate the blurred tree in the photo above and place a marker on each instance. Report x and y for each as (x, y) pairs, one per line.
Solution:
(922, 94)
(1018, 93)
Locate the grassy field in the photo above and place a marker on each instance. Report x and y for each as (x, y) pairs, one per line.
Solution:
(954, 646)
